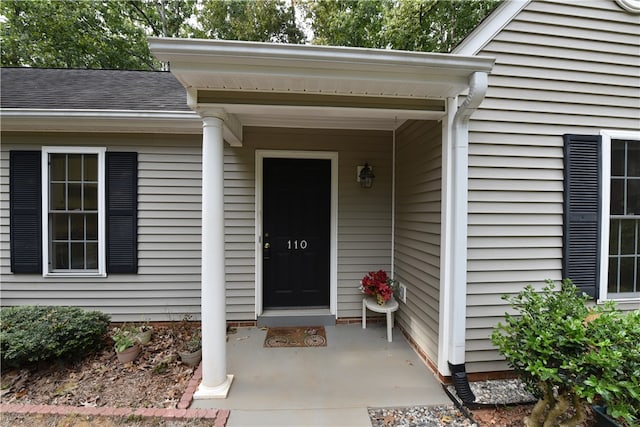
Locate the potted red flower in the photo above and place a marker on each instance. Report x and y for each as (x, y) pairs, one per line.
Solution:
(379, 285)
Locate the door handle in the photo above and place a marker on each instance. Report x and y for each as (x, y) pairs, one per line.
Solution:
(266, 248)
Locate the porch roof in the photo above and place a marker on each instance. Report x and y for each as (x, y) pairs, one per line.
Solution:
(267, 84)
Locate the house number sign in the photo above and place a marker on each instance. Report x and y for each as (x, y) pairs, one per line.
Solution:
(297, 244)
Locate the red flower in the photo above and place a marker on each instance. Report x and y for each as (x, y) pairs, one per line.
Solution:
(377, 284)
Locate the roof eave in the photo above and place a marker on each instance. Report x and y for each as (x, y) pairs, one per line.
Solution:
(317, 69)
(93, 121)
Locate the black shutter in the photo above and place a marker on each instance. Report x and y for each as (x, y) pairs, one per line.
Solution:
(25, 217)
(582, 208)
(122, 212)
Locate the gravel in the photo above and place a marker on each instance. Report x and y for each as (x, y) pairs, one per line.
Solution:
(499, 392)
(487, 392)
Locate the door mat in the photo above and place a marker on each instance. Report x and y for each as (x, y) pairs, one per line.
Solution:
(309, 336)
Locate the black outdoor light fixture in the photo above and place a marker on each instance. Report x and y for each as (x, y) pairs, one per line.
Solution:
(365, 176)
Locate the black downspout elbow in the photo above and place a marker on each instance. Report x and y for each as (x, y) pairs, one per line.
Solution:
(461, 383)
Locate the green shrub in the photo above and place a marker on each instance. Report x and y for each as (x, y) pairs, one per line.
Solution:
(609, 373)
(569, 354)
(30, 334)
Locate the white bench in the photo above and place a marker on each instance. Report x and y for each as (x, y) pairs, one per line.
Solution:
(388, 308)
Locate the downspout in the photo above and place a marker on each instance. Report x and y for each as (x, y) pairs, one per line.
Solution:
(460, 162)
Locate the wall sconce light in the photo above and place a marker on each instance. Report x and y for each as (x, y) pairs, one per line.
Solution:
(365, 176)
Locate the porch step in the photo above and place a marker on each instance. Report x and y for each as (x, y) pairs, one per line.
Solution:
(284, 318)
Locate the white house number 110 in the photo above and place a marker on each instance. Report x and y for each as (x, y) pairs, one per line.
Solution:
(295, 244)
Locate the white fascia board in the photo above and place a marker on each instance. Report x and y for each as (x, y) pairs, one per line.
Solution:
(248, 65)
(227, 52)
(118, 121)
(490, 27)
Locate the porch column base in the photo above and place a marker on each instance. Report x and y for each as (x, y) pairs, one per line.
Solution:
(218, 392)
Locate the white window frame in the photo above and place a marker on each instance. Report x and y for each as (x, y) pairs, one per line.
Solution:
(102, 263)
(607, 136)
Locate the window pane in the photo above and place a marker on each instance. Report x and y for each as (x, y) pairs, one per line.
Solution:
(58, 197)
(633, 197)
(613, 275)
(617, 158)
(75, 167)
(614, 232)
(77, 227)
(628, 237)
(58, 167)
(91, 167)
(633, 158)
(92, 256)
(75, 197)
(626, 274)
(617, 197)
(92, 226)
(60, 253)
(59, 226)
(77, 256)
(91, 197)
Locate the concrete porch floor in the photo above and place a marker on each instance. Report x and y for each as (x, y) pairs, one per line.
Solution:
(323, 386)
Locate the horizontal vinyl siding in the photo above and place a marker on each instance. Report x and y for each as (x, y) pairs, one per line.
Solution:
(167, 286)
(417, 231)
(364, 215)
(560, 68)
(239, 201)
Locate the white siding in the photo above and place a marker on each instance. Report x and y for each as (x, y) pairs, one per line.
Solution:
(167, 285)
(560, 68)
(417, 240)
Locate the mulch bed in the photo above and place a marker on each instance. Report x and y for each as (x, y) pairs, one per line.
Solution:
(156, 379)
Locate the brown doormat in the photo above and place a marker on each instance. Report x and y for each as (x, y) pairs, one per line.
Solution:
(309, 336)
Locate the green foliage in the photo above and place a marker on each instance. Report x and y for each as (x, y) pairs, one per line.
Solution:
(258, 20)
(348, 23)
(72, 34)
(124, 337)
(609, 372)
(414, 25)
(30, 334)
(195, 342)
(570, 354)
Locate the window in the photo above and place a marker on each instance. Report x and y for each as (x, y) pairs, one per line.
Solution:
(621, 216)
(601, 245)
(74, 217)
(73, 211)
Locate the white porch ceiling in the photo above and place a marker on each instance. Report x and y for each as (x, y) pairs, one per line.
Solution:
(366, 74)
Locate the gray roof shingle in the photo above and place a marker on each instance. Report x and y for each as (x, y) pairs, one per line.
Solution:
(90, 89)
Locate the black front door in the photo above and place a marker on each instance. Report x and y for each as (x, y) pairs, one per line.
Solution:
(296, 239)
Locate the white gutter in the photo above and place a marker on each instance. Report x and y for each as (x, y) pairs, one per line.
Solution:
(458, 262)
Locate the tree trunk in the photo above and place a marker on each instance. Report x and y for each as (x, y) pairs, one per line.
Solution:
(579, 415)
(559, 409)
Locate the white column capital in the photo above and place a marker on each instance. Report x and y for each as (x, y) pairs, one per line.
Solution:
(211, 113)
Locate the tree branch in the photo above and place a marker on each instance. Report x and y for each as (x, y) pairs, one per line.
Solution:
(146, 18)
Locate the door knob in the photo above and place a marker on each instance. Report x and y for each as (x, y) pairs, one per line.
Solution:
(267, 245)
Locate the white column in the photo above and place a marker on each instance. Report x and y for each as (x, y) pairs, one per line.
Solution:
(215, 381)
